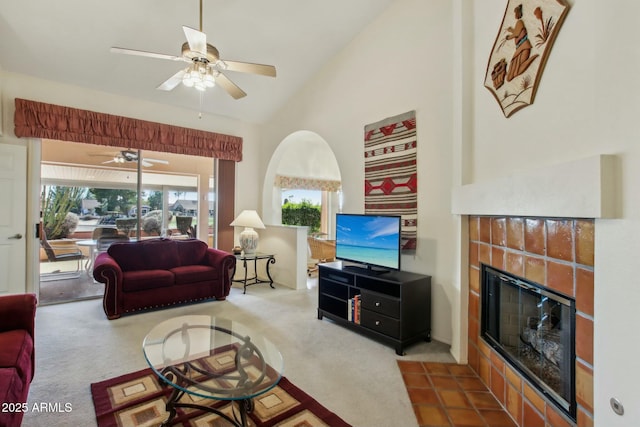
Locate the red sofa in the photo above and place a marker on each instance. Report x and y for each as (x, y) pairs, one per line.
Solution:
(157, 273)
(17, 355)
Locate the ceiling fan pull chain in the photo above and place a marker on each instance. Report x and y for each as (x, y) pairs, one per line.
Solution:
(201, 102)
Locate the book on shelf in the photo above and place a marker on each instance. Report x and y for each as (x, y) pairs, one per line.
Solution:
(353, 314)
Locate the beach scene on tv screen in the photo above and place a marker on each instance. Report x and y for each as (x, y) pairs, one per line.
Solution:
(370, 240)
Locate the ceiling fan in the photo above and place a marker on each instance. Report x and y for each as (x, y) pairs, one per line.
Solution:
(206, 68)
(127, 156)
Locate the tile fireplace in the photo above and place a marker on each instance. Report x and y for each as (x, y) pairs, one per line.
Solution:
(557, 254)
(533, 328)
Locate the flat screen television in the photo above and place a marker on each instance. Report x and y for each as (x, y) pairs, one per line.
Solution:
(373, 241)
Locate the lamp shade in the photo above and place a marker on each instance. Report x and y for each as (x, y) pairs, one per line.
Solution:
(249, 237)
(248, 218)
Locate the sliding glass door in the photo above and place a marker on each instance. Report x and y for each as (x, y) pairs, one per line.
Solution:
(87, 189)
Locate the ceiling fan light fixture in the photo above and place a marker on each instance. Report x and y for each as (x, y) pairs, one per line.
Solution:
(187, 80)
(209, 81)
(199, 75)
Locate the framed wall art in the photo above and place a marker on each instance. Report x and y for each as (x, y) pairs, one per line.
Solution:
(521, 49)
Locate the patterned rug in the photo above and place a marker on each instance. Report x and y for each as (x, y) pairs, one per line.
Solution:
(138, 400)
(390, 172)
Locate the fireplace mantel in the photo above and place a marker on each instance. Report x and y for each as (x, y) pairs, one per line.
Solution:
(583, 188)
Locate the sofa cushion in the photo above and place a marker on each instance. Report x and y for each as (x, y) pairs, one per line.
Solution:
(128, 256)
(12, 390)
(153, 254)
(193, 274)
(16, 347)
(191, 252)
(160, 254)
(146, 279)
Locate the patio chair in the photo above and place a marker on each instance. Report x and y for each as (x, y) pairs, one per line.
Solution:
(321, 251)
(65, 250)
(103, 231)
(103, 243)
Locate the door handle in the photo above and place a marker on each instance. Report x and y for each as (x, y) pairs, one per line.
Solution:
(16, 236)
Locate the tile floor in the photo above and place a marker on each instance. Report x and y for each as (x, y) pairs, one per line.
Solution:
(65, 288)
(450, 395)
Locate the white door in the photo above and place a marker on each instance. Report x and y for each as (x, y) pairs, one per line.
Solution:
(13, 218)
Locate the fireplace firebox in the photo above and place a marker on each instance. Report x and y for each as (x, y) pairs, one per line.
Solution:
(533, 328)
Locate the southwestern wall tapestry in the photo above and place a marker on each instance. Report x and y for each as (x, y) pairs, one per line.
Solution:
(519, 54)
(390, 172)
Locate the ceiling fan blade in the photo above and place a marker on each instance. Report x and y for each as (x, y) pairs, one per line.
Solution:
(100, 155)
(197, 40)
(146, 164)
(230, 86)
(145, 53)
(109, 161)
(172, 81)
(162, 162)
(247, 67)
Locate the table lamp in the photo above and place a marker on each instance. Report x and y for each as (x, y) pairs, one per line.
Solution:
(249, 237)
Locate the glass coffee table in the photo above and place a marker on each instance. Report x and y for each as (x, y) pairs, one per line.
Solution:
(207, 359)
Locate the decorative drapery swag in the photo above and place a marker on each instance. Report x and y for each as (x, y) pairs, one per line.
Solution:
(39, 120)
(300, 183)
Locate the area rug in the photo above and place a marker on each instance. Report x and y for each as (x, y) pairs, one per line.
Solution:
(138, 400)
(391, 174)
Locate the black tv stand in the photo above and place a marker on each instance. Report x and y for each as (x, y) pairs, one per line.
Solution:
(394, 308)
(365, 269)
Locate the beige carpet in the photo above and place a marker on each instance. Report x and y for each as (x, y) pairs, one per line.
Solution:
(348, 373)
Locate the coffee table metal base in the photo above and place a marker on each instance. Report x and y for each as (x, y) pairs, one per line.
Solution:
(215, 360)
(245, 405)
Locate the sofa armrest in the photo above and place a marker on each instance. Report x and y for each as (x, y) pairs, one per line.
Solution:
(226, 262)
(106, 270)
(18, 312)
(104, 262)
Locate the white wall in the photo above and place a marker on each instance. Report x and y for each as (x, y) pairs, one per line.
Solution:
(401, 62)
(285, 241)
(587, 104)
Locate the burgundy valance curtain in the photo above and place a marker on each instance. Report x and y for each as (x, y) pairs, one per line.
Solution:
(40, 120)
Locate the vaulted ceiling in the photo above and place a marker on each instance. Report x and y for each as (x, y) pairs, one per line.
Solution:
(69, 41)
